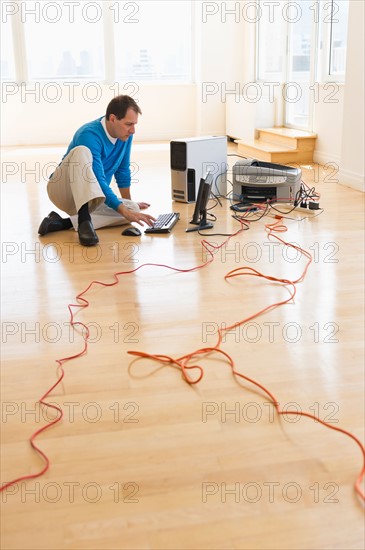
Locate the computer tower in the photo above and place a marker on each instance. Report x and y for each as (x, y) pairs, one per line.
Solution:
(191, 159)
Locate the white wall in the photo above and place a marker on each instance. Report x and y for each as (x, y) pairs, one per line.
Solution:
(352, 169)
(27, 118)
(220, 63)
(328, 119)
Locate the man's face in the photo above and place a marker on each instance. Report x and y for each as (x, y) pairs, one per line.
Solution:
(124, 127)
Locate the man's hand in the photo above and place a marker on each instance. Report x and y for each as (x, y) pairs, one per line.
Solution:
(143, 205)
(133, 216)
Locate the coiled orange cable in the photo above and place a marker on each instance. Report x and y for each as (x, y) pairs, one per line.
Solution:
(183, 362)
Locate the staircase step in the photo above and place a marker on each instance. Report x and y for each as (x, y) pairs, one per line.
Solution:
(281, 145)
(272, 152)
(288, 132)
(265, 145)
(295, 139)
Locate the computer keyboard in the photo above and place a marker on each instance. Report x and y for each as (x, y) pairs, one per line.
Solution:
(164, 223)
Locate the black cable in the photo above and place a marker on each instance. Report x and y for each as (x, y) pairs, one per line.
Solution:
(245, 217)
(215, 234)
(217, 197)
(235, 155)
(214, 198)
(224, 234)
(286, 211)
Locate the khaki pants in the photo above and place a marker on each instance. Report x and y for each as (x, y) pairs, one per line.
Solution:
(74, 183)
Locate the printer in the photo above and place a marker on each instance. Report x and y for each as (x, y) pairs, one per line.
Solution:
(257, 181)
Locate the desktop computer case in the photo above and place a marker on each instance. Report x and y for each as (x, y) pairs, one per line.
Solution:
(191, 159)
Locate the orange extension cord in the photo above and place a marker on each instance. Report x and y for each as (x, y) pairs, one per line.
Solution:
(184, 362)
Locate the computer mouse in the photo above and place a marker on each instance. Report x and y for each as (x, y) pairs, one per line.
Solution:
(132, 232)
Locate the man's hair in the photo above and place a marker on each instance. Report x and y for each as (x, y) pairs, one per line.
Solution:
(120, 105)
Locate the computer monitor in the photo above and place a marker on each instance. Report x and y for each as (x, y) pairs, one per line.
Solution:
(200, 211)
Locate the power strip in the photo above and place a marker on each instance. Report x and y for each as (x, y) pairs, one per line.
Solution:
(291, 208)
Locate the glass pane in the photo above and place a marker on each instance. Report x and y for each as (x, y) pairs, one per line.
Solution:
(299, 73)
(7, 52)
(339, 19)
(154, 42)
(271, 47)
(64, 39)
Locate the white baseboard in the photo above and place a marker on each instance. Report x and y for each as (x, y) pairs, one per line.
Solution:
(323, 158)
(352, 179)
(348, 178)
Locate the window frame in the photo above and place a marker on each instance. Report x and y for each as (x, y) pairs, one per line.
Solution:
(325, 52)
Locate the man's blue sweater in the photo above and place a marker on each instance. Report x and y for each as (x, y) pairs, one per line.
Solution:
(108, 159)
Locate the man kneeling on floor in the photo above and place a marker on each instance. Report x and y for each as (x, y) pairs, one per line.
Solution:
(80, 185)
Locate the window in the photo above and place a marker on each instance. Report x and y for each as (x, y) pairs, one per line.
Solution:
(63, 43)
(153, 42)
(300, 70)
(7, 53)
(278, 19)
(100, 40)
(298, 43)
(271, 43)
(338, 38)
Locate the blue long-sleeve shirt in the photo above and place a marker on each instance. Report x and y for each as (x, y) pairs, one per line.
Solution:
(109, 159)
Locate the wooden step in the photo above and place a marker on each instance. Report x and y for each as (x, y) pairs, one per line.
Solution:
(295, 139)
(284, 135)
(281, 145)
(271, 152)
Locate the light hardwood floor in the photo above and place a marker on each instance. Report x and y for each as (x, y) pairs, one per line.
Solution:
(141, 459)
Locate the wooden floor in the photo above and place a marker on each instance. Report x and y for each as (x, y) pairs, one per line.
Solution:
(141, 459)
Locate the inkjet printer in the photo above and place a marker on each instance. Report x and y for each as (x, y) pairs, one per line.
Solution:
(257, 181)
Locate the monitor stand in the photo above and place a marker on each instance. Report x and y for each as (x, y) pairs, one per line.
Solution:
(203, 224)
